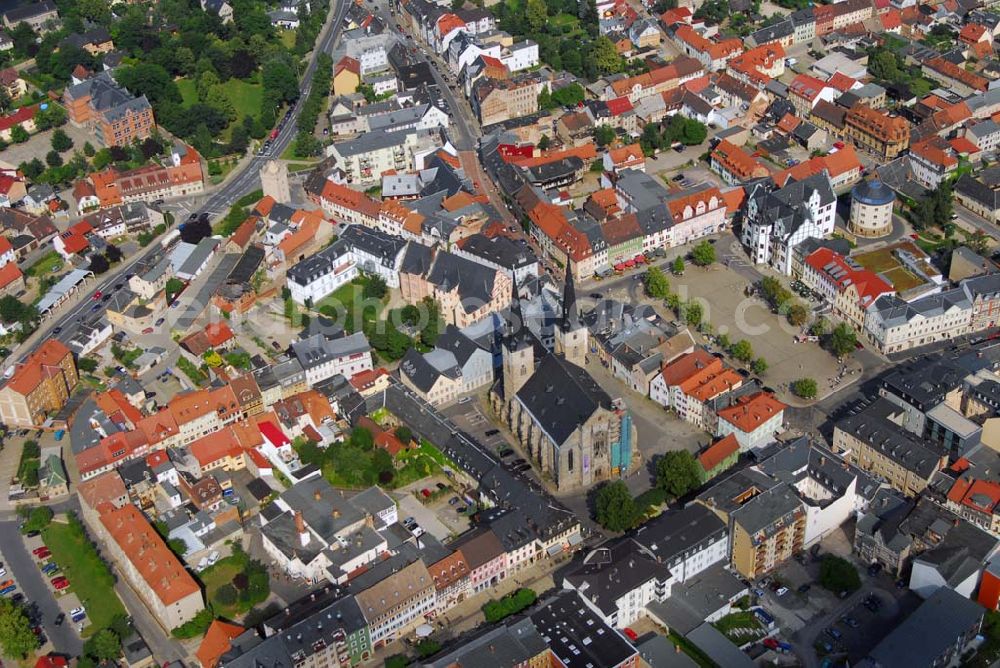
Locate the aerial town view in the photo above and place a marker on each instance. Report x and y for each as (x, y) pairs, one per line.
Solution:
(499, 333)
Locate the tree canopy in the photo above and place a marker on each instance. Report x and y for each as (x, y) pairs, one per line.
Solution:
(616, 510)
(677, 473)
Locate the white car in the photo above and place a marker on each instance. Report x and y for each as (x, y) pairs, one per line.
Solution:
(781, 591)
(417, 530)
(76, 611)
(3, 572)
(212, 558)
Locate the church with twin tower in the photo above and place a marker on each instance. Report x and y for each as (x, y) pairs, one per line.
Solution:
(575, 433)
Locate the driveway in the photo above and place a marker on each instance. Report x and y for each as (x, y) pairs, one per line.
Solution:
(22, 567)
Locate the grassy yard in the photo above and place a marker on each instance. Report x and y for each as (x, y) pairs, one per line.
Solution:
(349, 307)
(287, 38)
(88, 574)
(219, 580)
(882, 261)
(740, 627)
(245, 96)
(48, 264)
(222, 573)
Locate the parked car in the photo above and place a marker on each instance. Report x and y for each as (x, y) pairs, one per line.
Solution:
(804, 588)
(850, 621)
(160, 321)
(62, 584)
(491, 432)
(148, 330)
(409, 521)
(97, 295)
(38, 550)
(874, 569)
(465, 400)
(781, 591)
(454, 501)
(417, 531)
(833, 633)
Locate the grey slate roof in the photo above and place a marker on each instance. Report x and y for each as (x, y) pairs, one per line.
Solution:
(317, 349)
(873, 426)
(562, 396)
(613, 570)
(929, 631)
(577, 636)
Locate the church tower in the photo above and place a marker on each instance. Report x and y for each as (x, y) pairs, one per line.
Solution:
(518, 350)
(571, 333)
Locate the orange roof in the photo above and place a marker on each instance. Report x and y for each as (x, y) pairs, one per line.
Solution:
(447, 23)
(9, 273)
(218, 333)
(317, 405)
(149, 555)
(712, 385)
(807, 87)
(347, 198)
(308, 227)
(715, 50)
(51, 661)
(347, 63)
(674, 71)
(892, 19)
(215, 446)
(935, 151)
(963, 145)
(158, 426)
(981, 495)
(688, 365)
(39, 365)
(972, 32)
(587, 152)
(788, 123)
(367, 378)
(841, 162)
(737, 161)
(389, 442)
(704, 197)
(217, 642)
(750, 412)
(734, 198)
(842, 82)
(952, 71)
(102, 489)
(264, 206)
(630, 154)
(449, 570)
(118, 409)
(241, 237)
(716, 453)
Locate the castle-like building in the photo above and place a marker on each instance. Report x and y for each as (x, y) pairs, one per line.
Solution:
(576, 433)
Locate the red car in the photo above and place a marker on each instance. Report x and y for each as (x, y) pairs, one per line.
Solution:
(38, 550)
(62, 584)
(837, 145)
(97, 295)
(632, 635)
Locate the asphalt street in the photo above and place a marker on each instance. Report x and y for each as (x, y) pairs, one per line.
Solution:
(20, 564)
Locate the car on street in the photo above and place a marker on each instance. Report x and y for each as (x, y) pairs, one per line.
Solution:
(409, 521)
(95, 308)
(504, 454)
(97, 295)
(454, 501)
(596, 295)
(56, 330)
(679, 177)
(781, 591)
(119, 286)
(60, 618)
(759, 593)
(491, 432)
(874, 569)
(833, 633)
(148, 330)
(160, 321)
(274, 344)
(850, 621)
(804, 588)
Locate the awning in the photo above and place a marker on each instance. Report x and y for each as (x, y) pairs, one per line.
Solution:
(629, 263)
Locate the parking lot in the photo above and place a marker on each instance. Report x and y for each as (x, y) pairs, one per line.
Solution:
(436, 514)
(818, 622)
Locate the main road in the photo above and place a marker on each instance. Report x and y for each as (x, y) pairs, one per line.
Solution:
(242, 181)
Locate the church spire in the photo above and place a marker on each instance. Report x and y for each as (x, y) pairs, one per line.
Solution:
(570, 320)
(515, 322)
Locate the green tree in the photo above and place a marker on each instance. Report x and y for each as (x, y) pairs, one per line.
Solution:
(677, 473)
(656, 283)
(742, 351)
(797, 314)
(703, 254)
(226, 595)
(604, 135)
(536, 13)
(804, 388)
(544, 143)
(693, 313)
(53, 159)
(36, 519)
(61, 141)
(677, 266)
(819, 328)
(615, 506)
(19, 135)
(836, 574)
(605, 56)
(842, 340)
(16, 637)
(759, 366)
(87, 364)
(374, 287)
(105, 645)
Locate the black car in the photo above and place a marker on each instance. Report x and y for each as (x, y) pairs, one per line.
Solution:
(522, 468)
(60, 618)
(804, 588)
(492, 432)
(17, 598)
(874, 569)
(274, 344)
(504, 454)
(596, 295)
(519, 461)
(56, 330)
(32, 534)
(679, 177)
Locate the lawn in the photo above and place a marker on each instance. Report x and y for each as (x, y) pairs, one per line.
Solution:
(740, 627)
(232, 602)
(346, 304)
(883, 262)
(245, 96)
(48, 264)
(89, 576)
(287, 38)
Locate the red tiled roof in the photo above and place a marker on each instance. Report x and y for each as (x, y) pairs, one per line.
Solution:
(9, 273)
(750, 412)
(218, 333)
(687, 366)
(619, 105)
(835, 268)
(217, 642)
(716, 453)
(20, 116)
(149, 555)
